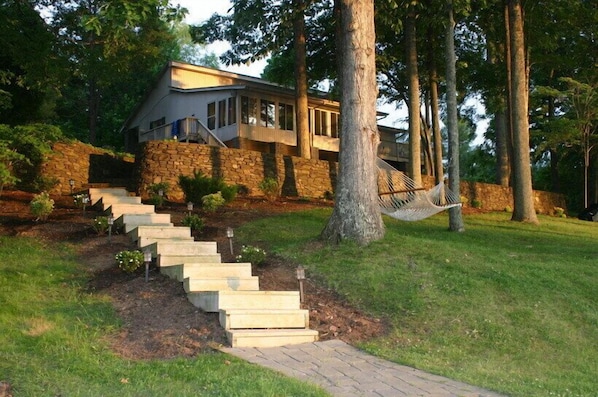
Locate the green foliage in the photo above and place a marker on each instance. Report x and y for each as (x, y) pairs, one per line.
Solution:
(251, 254)
(155, 189)
(194, 222)
(41, 206)
(79, 200)
(100, 225)
(476, 203)
(478, 306)
(196, 186)
(269, 186)
(34, 143)
(8, 156)
(129, 261)
(212, 202)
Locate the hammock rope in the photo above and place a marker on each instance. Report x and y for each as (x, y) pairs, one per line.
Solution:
(399, 196)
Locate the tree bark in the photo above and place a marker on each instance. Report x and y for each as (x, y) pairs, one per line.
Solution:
(356, 215)
(303, 135)
(437, 136)
(415, 166)
(455, 214)
(523, 196)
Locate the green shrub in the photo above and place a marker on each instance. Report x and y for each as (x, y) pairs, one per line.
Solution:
(100, 225)
(212, 202)
(269, 186)
(129, 261)
(41, 206)
(194, 222)
(254, 255)
(80, 200)
(196, 186)
(559, 212)
(155, 189)
(475, 203)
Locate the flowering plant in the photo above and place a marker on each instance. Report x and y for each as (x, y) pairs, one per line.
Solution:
(252, 254)
(129, 261)
(80, 200)
(100, 225)
(41, 206)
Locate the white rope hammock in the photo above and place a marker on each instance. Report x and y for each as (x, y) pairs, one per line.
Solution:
(400, 198)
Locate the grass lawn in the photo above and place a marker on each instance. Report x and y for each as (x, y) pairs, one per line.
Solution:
(52, 340)
(507, 306)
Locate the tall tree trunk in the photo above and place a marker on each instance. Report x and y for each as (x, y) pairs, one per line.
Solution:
(303, 135)
(455, 214)
(415, 167)
(356, 215)
(426, 139)
(437, 135)
(93, 110)
(503, 165)
(523, 195)
(509, 98)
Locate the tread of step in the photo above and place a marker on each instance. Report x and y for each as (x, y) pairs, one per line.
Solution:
(182, 248)
(159, 231)
(264, 318)
(144, 242)
(207, 269)
(170, 260)
(214, 301)
(270, 337)
(221, 284)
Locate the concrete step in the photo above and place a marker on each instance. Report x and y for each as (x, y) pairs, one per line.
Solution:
(261, 318)
(107, 200)
(215, 301)
(183, 248)
(160, 232)
(95, 193)
(221, 284)
(199, 270)
(120, 209)
(170, 260)
(144, 242)
(270, 337)
(131, 221)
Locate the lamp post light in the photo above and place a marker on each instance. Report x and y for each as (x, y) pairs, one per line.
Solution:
(147, 258)
(110, 223)
(301, 279)
(72, 185)
(230, 234)
(85, 201)
(190, 207)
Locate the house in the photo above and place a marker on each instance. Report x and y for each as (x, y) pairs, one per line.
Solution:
(192, 103)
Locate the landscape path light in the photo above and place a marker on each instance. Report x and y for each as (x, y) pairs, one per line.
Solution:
(301, 279)
(230, 234)
(147, 258)
(85, 200)
(110, 223)
(72, 185)
(190, 207)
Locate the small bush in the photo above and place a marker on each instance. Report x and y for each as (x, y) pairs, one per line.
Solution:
(508, 208)
(129, 261)
(269, 186)
(559, 212)
(100, 225)
(155, 189)
(194, 222)
(212, 202)
(196, 186)
(80, 200)
(475, 203)
(41, 206)
(254, 255)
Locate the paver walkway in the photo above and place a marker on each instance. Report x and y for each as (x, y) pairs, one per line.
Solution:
(345, 371)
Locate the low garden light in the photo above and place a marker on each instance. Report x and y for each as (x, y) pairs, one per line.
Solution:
(230, 234)
(85, 201)
(190, 207)
(301, 279)
(147, 258)
(110, 223)
(72, 185)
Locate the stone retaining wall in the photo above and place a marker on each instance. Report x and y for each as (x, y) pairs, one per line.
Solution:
(164, 161)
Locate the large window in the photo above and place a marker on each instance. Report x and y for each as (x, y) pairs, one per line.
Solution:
(248, 110)
(320, 122)
(157, 123)
(324, 123)
(222, 113)
(232, 111)
(285, 116)
(212, 115)
(267, 113)
(335, 126)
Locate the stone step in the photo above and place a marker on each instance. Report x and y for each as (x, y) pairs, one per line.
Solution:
(183, 248)
(221, 284)
(144, 242)
(170, 260)
(270, 337)
(159, 232)
(107, 200)
(215, 301)
(120, 209)
(96, 193)
(131, 221)
(199, 270)
(260, 318)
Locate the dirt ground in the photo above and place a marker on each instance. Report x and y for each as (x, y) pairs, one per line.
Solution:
(158, 320)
